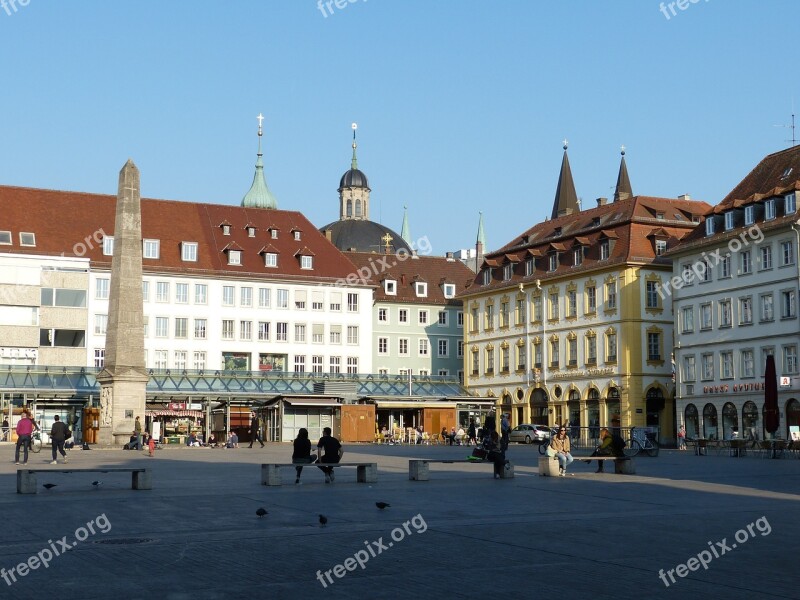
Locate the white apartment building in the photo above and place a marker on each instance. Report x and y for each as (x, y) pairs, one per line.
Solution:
(734, 292)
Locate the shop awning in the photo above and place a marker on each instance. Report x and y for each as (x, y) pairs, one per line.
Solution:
(312, 401)
(197, 414)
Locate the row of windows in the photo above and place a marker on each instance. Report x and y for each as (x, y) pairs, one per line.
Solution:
(247, 296)
(25, 238)
(729, 368)
(589, 302)
(423, 347)
(768, 211)
(151, 249)
(420, 288)
(506, 352)
(703, 271)
(423, 317)
(744, 311)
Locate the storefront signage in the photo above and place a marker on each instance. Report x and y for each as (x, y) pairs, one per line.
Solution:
(177, 406)
(586, 373)
(736, 387)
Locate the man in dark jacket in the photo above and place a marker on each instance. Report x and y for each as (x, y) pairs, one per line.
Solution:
(254, 431)
(58, 433)
(610, 445)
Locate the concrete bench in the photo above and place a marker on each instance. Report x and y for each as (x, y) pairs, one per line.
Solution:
(27, 483)
(366, 472)
(419, 470)
(548, 465)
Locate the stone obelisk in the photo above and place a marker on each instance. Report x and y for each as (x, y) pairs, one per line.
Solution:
(124, 378)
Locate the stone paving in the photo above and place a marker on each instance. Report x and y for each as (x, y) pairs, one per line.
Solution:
(196, 535)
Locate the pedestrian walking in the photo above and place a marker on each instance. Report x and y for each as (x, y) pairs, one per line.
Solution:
(255, 434)
(682, 438)
(59, 432)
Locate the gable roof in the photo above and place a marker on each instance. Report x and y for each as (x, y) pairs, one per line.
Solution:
(74, 223)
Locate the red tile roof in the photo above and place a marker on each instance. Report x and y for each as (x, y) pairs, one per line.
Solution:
(72, 223)
(434, 270)
(626, 223)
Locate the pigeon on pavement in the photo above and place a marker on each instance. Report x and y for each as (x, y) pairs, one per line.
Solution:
(322, 520)
(48, 486)
(97, 484)
(261, 512)
(382, 505)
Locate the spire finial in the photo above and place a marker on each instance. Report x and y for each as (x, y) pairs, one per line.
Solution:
(260, 119)
(259, 195)
(566, 143)
(354, 163)
(622, 149)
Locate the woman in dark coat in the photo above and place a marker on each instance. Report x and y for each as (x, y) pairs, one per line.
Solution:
(302, 451)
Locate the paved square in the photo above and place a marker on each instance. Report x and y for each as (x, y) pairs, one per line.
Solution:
(196, 535)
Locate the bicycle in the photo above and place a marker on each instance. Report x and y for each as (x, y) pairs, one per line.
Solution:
(545, 444)
(639, 441)
(35, 444)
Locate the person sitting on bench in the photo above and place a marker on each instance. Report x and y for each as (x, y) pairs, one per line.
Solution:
(611, 444)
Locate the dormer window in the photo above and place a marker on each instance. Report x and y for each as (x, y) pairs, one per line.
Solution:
(296, 234)
(27, 239)
(749, 214)
(270, 259)
(251, 231)
(529, 267)
(226, 229)
(786, 173)
(234, 257)
(449, 290)
(789, 204)
(487, 276)
(306, 262)
(605, 249)
(506, 272)
(709, 225)
(151, 249)
(421, 289)
(660, 216)
(661, 247)
(273, 233)
(769, 209)
(108, 245)
(5, 238)
(577, 257)
(189, 251)
(557, 231)
(553, 261)
(728, 221)
(595, 221)
(695, 218)
(390, 287)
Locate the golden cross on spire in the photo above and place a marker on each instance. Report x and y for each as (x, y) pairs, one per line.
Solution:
(387, 240)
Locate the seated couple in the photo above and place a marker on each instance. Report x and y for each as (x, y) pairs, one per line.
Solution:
(329, 450)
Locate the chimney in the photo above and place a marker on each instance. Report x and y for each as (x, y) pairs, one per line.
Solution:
(602, 201)
(329, 235)
(684, 197)
(449, 256)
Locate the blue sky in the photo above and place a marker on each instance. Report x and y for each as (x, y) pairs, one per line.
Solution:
(461, 104)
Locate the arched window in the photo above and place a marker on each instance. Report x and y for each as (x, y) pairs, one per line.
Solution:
(691, 421)
(710, 429)
(574, 412)
(655, 404)
(593, 412)
(792, 419)
(613, 408)
(358, 208)
(730, 421)
(349, 210)
(750, 424)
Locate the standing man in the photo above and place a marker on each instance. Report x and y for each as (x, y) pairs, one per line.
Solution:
(330, 451)
(24, 431)
(58, 433)
(5, 430)
(255, 434)
(505, 429)
(137, 429)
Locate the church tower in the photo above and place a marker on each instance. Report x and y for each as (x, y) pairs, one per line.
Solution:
(259, 195)
(354, 190)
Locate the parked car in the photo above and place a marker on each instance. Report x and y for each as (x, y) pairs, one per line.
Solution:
(528, 433)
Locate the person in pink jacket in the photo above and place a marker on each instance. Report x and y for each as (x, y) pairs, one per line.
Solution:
(24, 431)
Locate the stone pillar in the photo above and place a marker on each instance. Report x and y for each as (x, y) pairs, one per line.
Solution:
(124, 379)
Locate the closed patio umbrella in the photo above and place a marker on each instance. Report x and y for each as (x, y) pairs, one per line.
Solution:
(771, 417)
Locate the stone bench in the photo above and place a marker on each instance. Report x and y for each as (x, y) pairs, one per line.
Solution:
(27, 481)
(548, 465)
(366, 472)
(419, 470)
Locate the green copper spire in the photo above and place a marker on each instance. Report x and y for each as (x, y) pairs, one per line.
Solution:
(405, 232)
(259, 195)
(354, 162)
(481, 235)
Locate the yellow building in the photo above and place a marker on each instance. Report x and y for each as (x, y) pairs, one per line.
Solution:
(580, 295)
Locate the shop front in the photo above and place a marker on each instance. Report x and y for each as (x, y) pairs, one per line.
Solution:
(172, 423)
